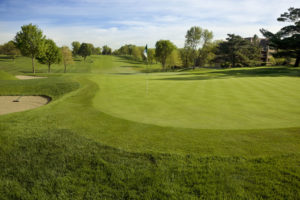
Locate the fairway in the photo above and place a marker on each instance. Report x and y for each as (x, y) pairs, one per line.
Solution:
(111, 127)
(149, 100)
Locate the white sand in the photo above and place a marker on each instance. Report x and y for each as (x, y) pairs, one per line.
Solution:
(22, 77)
(7, 104)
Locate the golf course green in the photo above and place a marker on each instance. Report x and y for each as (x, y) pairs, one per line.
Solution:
(113, 131)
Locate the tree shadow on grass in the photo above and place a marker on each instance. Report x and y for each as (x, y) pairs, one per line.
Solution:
(5, 57)
(238, 73)
(125, 73)
(131, 66)
(129, 60)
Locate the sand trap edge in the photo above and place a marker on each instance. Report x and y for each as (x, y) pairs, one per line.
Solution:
(27, 102)
(25, 77)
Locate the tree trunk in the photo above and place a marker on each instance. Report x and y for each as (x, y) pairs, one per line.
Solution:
(48, 68)
(32, 60)
(297, 61)
(65, 64)
(163, 64)
(195, 64)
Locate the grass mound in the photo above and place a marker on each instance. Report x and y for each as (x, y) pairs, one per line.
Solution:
(53, 87)
(73, 148)
(6, 76)
(60, 164)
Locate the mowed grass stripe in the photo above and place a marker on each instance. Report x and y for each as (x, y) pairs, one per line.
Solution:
(280, 98)
(77, 114)
(230, 103)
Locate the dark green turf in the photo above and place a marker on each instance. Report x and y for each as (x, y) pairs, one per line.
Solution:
(69, 149)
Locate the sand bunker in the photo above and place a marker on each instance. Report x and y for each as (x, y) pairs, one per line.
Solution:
(10, 104)
(22, 77)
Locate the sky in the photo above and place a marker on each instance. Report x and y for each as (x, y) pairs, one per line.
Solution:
(140, 22)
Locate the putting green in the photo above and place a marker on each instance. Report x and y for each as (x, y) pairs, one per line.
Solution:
(198, 101)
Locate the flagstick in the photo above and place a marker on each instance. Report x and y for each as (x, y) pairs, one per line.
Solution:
(147, 78)
(146, 55)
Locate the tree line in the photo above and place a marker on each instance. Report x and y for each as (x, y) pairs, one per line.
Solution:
(31, 42)
(287, 40)
(199, 49)
(87, 49)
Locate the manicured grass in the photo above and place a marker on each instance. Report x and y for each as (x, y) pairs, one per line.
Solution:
(182, 100)
(6, 76)
(82, 146)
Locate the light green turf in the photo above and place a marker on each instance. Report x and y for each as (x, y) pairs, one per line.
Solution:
(72, 149)
(6, 76)
(93, 64)
(200, 100)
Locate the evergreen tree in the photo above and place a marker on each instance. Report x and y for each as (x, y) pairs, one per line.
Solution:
(237, 52)
(287, 40)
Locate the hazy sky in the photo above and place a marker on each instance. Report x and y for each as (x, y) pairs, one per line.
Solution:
(118, 22)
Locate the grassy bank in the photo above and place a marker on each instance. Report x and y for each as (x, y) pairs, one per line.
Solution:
(83, 145)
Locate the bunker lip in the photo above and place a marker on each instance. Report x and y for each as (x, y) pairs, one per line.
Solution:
(12, 104)
(25, 77)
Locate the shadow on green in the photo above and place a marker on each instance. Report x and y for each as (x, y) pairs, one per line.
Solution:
(237, 73)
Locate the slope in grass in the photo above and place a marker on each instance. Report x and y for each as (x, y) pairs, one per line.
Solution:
(6, 76)
(71, 150)
(203, 100)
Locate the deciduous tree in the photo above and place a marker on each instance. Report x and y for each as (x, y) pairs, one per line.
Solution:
(75, 46)
(186, 56)
(106, 50)
(85, 50)
(163, 49)
(174, 60)
(67, 57)
(10, 49)
(50, 54)
(137, 53)
(207, 53)
(195, 37)
(91, 46)
(151, 55)
(97, 51)
(30, 41)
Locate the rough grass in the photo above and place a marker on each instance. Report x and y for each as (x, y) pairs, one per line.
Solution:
(6, 76)
(69, 149)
